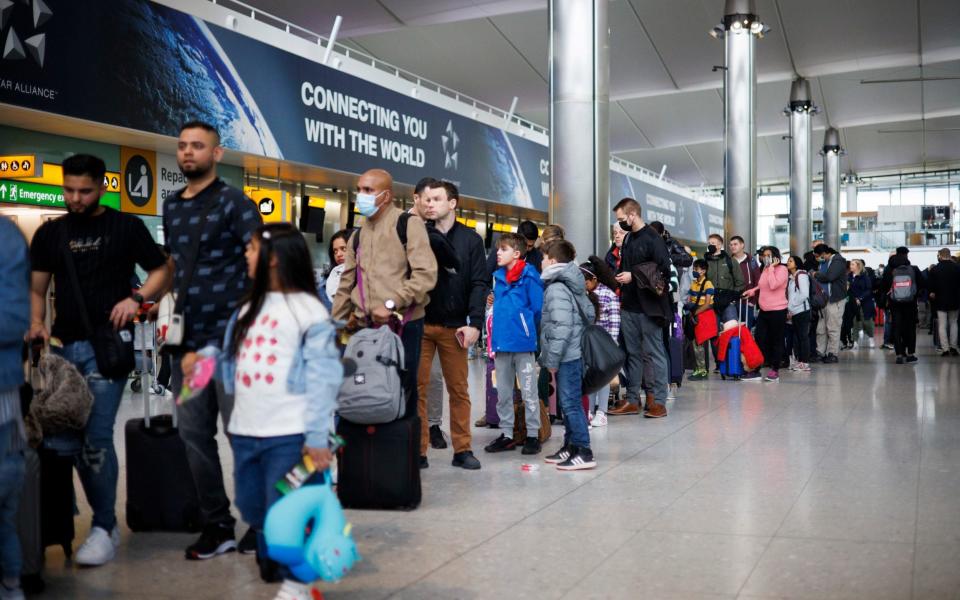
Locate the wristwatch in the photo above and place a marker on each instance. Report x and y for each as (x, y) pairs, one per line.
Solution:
(390, 305)
(137, 297)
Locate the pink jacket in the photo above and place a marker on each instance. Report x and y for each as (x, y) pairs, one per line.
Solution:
(772, 288)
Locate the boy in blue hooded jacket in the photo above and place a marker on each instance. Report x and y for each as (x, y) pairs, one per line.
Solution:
(517, 304)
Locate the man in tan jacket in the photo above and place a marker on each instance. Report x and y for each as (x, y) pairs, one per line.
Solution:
(387, 277)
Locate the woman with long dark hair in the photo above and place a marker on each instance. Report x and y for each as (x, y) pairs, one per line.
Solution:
(337, 251)
(799, 313)
(772, 289)
(282, 365)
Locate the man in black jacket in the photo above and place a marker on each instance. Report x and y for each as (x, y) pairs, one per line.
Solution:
(643, 314)
(944, 287)
(453, 320)
(903, 312)
(446, 261)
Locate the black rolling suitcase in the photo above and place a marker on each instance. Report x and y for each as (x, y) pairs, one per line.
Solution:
(161, 495)
(379, 465)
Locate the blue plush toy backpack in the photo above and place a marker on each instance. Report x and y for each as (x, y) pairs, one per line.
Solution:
(327, 551)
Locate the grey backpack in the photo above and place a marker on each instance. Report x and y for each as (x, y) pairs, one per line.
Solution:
(373, 395)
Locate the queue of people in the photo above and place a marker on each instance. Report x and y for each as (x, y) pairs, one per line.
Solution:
(247, 293)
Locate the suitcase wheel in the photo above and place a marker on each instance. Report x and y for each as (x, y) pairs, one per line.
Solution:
(135, 385)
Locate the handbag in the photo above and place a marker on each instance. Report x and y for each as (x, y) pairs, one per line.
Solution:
(602, 356)
(113, 348)
(174, 329)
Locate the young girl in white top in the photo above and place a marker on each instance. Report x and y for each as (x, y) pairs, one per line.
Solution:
(284, 367)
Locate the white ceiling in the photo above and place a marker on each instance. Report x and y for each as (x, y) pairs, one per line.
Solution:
(666, 102)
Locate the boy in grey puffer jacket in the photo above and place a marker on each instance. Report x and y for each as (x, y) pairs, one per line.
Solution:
(565, 310)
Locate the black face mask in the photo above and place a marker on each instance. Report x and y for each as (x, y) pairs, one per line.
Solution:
(711, 249)
(624, 226)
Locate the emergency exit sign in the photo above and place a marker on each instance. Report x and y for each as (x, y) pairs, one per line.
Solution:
(37, 194)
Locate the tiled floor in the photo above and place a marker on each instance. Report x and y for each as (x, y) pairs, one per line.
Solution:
(840, 484)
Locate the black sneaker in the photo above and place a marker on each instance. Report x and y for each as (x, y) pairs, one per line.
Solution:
(466, 460)
(912, 358)
(531, 446)
(214, 541)
(559, 456)
(900, 360)
(501, 444)
(579, 459)
(436, 438)
(424, 463)
(248, 543)
(945, 353)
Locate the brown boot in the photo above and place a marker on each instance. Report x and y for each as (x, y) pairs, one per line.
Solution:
(655, 410)
(650, 402)
(627, 409)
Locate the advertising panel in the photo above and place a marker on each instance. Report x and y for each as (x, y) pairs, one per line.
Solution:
(264, 101)
(685, 218)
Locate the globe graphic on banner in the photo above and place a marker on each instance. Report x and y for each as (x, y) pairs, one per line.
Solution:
(182, 74)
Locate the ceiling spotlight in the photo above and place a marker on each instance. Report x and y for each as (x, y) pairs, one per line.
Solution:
(756, 27)
(736, 26)
(717, 32)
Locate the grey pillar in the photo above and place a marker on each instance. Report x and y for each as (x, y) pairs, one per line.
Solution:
(740, 25)
(800, 111)
(579, 122)
(851, 186)
(831, 188)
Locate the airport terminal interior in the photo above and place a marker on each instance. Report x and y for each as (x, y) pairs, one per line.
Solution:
(812, 130)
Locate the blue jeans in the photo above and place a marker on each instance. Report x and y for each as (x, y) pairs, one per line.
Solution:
(97, 462)
(11, 484)
(569, 387)
(259, 463)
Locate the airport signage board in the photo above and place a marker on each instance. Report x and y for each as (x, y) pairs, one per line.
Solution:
(38, 194)
(265, 101)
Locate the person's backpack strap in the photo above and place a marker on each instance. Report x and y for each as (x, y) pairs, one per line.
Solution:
(401, 231)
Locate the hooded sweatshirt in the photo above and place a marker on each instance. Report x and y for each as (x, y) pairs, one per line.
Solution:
(565, 305)
(772, 288)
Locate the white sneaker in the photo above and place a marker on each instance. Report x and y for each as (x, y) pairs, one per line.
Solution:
(13, 592)
(99, 548)
(672, 391)
(599, 419)
(293, 590)
(856, 346)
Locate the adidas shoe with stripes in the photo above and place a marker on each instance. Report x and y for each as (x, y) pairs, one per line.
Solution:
(579, 459)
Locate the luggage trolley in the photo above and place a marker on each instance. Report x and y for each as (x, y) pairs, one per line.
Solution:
(148, 356)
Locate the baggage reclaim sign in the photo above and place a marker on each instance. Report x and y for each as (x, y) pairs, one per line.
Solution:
(38, 194)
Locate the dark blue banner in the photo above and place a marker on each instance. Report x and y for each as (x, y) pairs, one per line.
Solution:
(145, 66)
(686, 219)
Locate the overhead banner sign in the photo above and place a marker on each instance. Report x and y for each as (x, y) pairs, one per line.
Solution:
(685, 218)
(264, 101)
(138, 181)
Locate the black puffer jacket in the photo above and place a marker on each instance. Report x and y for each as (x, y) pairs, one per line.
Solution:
(462, 293)
(944, 281)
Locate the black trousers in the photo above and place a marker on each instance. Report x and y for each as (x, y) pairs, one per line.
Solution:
(769, 334)
(904, 317)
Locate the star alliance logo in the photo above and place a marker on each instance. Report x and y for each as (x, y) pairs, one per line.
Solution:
(450, 141)
(36, 45)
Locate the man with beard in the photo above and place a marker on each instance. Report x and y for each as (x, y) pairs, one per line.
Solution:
(207, 225)
(101, 246)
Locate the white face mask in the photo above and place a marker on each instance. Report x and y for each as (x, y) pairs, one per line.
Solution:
(367, 204)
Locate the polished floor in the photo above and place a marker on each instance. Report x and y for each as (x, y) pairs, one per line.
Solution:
(844, 483)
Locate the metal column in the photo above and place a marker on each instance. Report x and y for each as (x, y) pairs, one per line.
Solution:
(800, 110)
(579, 122)
(831, 188)
(740, 25)
(851, 186)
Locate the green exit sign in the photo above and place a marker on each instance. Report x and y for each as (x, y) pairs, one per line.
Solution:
(38, 194)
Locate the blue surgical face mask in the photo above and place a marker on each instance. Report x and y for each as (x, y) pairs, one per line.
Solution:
(367, 204)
